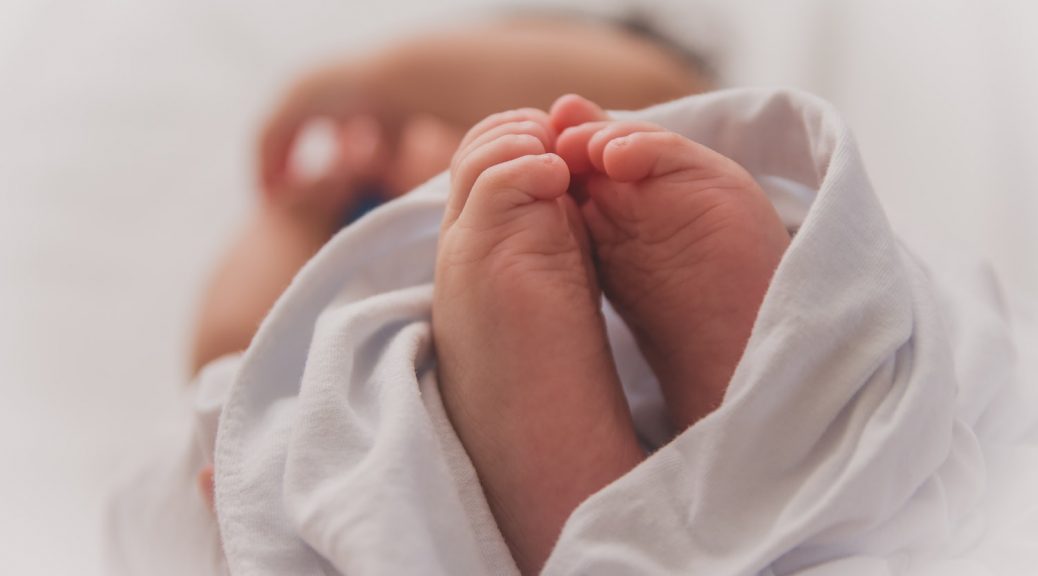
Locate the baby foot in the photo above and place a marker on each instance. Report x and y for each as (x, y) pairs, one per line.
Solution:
(686, 243)
(524, 364)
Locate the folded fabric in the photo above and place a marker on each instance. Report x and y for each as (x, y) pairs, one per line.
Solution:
(877, 423)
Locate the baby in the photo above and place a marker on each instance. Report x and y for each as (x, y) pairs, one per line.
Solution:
(400, 115)
(547, 212)
(441, 391)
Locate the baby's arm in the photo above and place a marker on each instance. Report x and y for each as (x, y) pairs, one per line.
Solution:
(253, 273)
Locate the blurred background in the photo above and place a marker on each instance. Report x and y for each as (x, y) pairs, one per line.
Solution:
(127, 162)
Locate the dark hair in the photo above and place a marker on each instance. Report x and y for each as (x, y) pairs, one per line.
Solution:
(635, 21)
(638, 23)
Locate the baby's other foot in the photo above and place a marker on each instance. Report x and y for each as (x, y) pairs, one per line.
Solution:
(524, 364)
(686, 243)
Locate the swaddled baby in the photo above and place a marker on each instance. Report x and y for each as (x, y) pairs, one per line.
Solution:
(840, 444)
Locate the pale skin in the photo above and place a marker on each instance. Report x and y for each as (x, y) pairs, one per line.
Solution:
(548, 212)
(514, 281)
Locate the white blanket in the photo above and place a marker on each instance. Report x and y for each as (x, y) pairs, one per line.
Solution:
(879, 421)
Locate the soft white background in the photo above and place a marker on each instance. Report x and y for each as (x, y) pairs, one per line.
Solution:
(126, 162)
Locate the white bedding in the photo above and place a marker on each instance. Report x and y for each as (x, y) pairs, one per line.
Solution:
(125, 133)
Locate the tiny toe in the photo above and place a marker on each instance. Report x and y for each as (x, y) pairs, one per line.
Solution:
(600, 139)
(640, 155)
(572, 110)
(468, 169)
(507, 117)
(514, 183)
(572, 145)
(536, 128)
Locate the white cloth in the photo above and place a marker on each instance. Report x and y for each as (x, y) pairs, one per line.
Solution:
(880, 421)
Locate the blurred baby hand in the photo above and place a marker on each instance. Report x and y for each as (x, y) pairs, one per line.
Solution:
(376, 142)
(364, 126)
